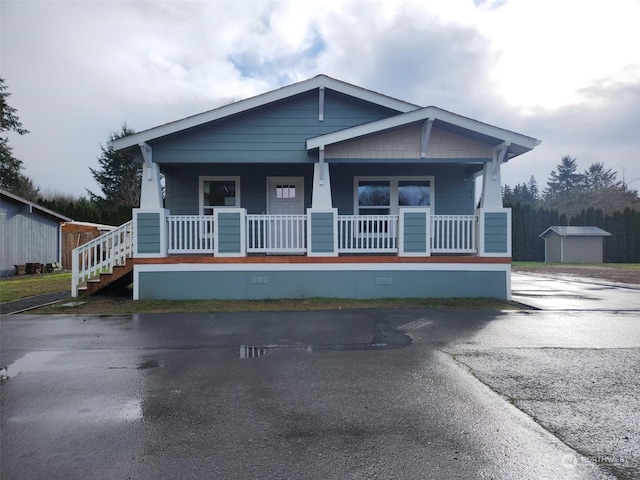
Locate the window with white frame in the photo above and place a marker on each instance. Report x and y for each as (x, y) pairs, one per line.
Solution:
(384, 195)
(217, 192)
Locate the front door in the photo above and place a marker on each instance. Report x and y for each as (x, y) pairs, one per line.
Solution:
(285, 195)
(285, 198)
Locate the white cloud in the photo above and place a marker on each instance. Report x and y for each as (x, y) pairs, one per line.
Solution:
(564, 71)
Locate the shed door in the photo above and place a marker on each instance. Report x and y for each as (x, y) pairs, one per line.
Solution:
(285, 196)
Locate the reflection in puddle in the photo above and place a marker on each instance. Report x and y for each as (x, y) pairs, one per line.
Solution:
(254, 351)
(31, 362)
(98, 409)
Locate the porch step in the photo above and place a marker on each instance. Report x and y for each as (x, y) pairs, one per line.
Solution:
(121, 276)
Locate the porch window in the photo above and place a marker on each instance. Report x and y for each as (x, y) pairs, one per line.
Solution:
(376, 196)
(216, 192)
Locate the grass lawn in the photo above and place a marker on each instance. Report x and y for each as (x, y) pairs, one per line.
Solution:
(119, 304)
(16, 288)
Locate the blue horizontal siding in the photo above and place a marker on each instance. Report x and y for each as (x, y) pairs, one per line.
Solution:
(229, 240)
(322, 233)
(182, 184)
(415, 232)
(454, 185)
(495, 232)
(273, 133)
(148, 232)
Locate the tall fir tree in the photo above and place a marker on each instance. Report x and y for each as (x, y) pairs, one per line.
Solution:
(118, 176)
(11, 177)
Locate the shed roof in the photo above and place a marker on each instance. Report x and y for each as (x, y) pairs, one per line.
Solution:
(33, 206)
(572, 231)
(76, 226)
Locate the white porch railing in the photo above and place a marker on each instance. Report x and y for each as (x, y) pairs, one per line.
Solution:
(190, 233)
(453, 233)
(287, 234)
(276, 233)
(367, 233)
(100, 255)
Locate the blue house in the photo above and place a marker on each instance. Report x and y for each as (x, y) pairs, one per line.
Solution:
(317, 189)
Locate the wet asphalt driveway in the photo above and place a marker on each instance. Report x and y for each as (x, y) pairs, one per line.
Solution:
(340, 394)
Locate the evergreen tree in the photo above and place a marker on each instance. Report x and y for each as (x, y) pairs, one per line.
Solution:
(11, 177)
(118, 176)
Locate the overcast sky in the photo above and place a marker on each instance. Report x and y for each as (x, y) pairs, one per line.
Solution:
(566, 72)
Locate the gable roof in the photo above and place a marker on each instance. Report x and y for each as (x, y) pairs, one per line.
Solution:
(442, 119)
(33, 206)
(572, 231)
(261, 100)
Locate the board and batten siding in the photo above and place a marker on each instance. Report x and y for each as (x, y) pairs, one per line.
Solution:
(274, 133)
(26, 237)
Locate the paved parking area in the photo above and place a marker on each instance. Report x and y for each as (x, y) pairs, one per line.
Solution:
(547, 293)
(334, 394)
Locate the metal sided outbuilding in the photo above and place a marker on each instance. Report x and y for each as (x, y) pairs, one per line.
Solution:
(572, 244)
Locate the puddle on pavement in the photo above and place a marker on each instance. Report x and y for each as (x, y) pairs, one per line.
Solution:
(383, 337)
(73, 304)
(149, 364)
(98, 409)
(254, 351)
(31, 362)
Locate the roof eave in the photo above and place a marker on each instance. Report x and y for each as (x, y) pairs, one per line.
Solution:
(44, 210)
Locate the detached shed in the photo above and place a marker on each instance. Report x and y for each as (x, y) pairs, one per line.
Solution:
(76, 233)
(573, 244)
(29, 233)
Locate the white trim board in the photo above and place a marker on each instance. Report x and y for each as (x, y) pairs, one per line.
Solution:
(320, 267)
(500, 134)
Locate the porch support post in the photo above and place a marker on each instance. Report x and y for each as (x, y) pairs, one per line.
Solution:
(150, 220)
(150, 190)
(426, 133)
(494, 221)
(494, 232)
(150, 235)
(321, 195)
(322, 232)
(491, 183)
(414, 232)
(230, 232)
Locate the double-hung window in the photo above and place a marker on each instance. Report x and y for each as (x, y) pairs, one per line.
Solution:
(384, 195)
(217, 192)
